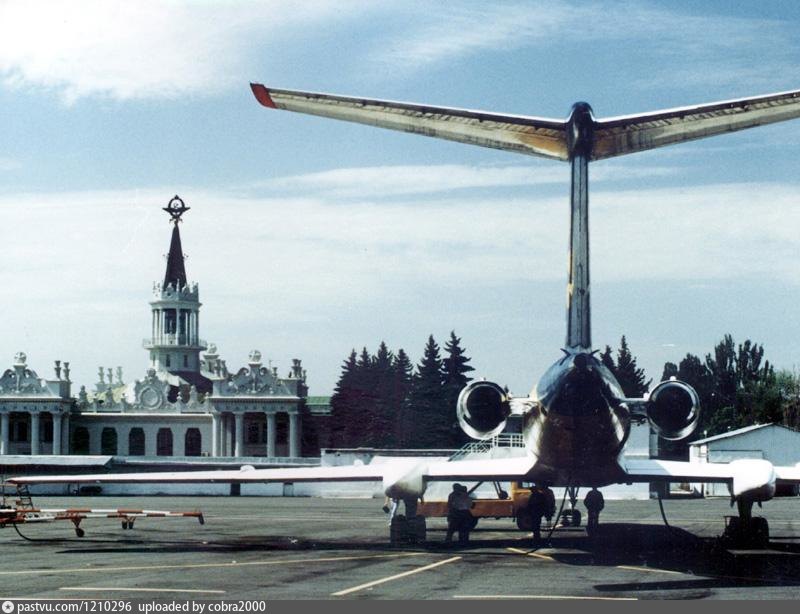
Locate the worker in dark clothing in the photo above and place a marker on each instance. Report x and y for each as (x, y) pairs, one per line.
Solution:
(550, 509)
(537, 507)
(459, 517)
(594, 503)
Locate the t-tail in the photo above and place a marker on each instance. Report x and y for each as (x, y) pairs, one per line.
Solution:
(580, 135)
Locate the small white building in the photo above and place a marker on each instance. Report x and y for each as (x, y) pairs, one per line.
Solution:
(778, 444)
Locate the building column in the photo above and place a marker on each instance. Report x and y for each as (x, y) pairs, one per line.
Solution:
(214, 434)
(123, 440)
(223, 449)
(238, 450)
(56, 432)
(65, 434)
(95, 439)
(179, 441)
(5, 425)
(271, 435)
(294, 435)
(35, 423)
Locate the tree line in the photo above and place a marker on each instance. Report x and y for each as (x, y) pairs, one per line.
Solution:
(736, 385)
(383, 401)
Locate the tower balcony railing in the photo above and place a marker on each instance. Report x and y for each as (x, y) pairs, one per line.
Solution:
(173, 339)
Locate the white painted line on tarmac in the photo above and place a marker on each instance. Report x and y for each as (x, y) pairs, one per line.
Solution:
(650, 569)
(106, 589)
(580, 597)
(354, 589)
(101, 569)
(544, 557)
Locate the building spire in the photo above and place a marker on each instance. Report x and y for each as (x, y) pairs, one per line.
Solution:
(176, 272)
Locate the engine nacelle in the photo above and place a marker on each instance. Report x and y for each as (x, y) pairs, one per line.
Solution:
(673, 409)
(483, 408)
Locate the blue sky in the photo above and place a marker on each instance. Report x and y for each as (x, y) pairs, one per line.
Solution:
(310, 237)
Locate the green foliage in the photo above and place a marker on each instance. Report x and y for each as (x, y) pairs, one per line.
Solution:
(737, 387)
(380, 402)
(454, 371)
(630, 377)
(427, 401)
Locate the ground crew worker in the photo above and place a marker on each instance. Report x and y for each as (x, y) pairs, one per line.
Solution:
(537, 506)
(594, 503)
(459, 517)
(390, 507)
(550, 509)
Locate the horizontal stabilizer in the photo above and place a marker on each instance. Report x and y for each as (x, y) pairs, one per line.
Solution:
(528, 135)
(537, 136)
(617, 136)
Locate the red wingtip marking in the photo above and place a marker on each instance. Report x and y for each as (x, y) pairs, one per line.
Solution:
(262, 95)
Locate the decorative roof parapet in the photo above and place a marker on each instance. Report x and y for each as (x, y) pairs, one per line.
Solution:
(166, 292)
(253, 380)
(19, 380)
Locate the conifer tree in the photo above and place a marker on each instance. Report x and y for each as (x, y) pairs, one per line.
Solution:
(607, 358)
(379, 431)
(426, 399)
(402, 371)
(454, 377)
(343, 403)
(630, 377)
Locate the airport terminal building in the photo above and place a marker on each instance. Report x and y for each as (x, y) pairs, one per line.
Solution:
(187, 403)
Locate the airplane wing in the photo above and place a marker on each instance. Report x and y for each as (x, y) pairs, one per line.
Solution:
(400, 476)
(616, 136)
(349, 473)
(747, 477)
(519, 133)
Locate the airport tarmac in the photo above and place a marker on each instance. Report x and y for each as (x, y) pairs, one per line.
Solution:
(303, 548)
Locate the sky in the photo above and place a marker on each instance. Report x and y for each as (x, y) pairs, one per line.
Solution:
(310, 237)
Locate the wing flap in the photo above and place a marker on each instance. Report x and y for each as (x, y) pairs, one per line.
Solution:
(495, 469)
(788, 474)
(628, 134)
(522, 134)
(654, 470)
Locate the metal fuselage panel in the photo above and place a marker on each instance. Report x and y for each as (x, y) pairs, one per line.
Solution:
(581, 425)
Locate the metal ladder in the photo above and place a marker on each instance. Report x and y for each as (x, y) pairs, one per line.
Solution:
(503, 440)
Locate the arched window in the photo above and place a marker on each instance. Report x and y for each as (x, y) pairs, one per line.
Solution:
(80, 440)
(136, 442)
(164, 442)
(193, 442)
(108, 441)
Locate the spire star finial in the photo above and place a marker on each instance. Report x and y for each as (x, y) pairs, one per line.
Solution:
(176, 208)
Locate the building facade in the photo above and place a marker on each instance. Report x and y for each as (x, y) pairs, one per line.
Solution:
(188, 403)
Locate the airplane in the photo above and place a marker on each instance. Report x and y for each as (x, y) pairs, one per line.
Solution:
(576, 420)
(21, 510)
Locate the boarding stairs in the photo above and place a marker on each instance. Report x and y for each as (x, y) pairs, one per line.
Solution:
(503, 445)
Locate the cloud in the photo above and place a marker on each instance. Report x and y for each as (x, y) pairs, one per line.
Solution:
(679, 38)
(283, 272)
(9, 164)
(403, 180)
(143, 49)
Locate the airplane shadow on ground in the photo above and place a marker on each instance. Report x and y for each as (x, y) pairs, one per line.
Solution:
(638, 545)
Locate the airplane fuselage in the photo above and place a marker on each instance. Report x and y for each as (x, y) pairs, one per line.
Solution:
(580, 424)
